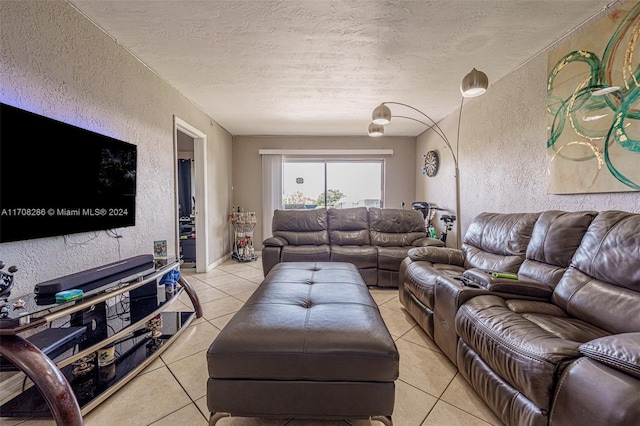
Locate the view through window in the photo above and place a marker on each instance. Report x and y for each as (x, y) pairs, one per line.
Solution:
(331, 183)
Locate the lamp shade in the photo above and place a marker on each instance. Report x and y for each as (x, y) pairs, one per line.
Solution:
(376, 129)
(381, 115)
(474, 84)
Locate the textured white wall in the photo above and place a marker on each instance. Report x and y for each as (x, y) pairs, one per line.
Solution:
(56, 63)
(503, 155)
(247, 167)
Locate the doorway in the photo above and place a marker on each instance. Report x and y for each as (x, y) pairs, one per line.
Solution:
(192, 241)
(186, 200)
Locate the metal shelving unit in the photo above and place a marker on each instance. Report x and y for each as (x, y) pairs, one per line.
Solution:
(243, 224)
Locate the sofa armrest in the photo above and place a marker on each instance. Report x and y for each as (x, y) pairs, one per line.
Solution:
(518, 287)
(428, 242)
(591, 393)
(619, 351)
(449, 294)
(275, 242)
(444, 255)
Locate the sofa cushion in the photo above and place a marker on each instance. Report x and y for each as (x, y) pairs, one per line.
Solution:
(602, 285)
(609, 249)
(395, 227)
(301, 227)
(477, 258)
(498, 241)
(528, 350)
(506, 234)
(557, 235)
(554, 240)
(361, 256)
(305, 254)
(348, 226)
(531, 307)
(390, 258)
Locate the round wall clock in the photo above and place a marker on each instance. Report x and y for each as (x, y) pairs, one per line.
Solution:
(431, 163)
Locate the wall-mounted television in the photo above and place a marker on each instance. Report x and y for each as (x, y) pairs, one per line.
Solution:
(59, 179)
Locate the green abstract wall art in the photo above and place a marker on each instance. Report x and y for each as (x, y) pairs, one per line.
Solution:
(593, 107)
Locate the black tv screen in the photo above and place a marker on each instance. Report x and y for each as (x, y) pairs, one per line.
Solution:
(59, 179)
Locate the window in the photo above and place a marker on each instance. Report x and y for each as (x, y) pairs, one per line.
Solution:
(308, 184)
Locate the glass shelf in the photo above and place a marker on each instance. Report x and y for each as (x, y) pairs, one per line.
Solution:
(134, 353)
(128, 317)
(39, 310)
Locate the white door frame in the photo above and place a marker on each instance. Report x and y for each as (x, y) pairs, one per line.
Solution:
(200, 164)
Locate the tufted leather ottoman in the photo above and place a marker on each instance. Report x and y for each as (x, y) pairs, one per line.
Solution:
(309, 343)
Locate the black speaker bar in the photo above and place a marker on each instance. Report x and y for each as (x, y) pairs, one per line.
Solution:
(96, 277)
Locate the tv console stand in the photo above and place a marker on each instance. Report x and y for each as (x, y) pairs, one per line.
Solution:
(64, 349)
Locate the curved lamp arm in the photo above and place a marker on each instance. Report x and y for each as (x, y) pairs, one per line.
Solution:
(473, 84)
(439, 133)
(436, 128)
(433, 124)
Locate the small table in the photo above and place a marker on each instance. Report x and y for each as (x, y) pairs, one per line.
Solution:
(128, 314)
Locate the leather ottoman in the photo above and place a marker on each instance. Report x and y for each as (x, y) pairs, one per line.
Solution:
(309, 343)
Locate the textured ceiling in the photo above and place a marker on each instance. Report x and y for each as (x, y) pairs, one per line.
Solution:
(263, 67)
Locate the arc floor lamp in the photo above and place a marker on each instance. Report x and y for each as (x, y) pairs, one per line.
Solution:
(473, 84)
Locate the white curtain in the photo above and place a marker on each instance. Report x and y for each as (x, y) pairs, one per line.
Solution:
(271, 190)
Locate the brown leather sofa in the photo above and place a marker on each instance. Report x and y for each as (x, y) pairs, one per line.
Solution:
(558, 346)
(375, 240)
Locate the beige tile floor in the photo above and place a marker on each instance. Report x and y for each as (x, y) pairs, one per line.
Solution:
(172, 390)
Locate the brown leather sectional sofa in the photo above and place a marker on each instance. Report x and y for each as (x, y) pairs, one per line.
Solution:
(558, 346)
(375, 240)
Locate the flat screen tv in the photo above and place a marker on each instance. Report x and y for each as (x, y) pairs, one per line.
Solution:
(59, 179)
